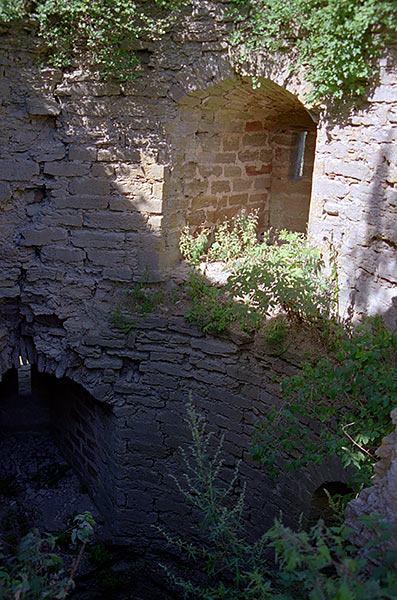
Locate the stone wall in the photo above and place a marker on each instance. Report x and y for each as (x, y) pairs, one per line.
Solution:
(96, 180)
(354, 197)
(124, 439)
(233, 148)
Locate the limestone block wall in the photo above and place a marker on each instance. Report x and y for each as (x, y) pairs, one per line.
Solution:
(290, 193)
(124, 439)
(354, 198)
(96, 180)
(84, 430)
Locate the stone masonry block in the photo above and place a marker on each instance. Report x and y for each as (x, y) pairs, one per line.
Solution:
(242, 185)
(80, 152)
(119, 221)
(255, 140)
(236, 199)
(48, 151)
(231, 144)
(122, 273)
(66, 169)
(220, 186)
(232, 171)
(117, 154)
(353, 169)
(43, 107)
(253, 126)
(208, 171)
(93, 239)
(42, 237)
(248, 156)
(5, 192)
(213, 346)
(66, 218)
(67, 255)
(90, 186)
(83, 201)
(102, 170)
(105, 362)
(18, 170)
(225, 157)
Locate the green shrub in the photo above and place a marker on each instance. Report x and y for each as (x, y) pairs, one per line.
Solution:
(346, 397)
(213, 310)
(234, 239)
(142, 299)
(35, 571)
(192, 247)
(286, 274)
(264, 277)
(319, 564)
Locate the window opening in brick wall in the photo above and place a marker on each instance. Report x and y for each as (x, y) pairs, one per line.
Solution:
(24, 378)
(298, 155)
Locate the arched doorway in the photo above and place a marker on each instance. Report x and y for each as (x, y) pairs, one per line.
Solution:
(53, 438)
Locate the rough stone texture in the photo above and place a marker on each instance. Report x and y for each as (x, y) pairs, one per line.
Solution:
(123, 435)
(381, 498)
(353, 206)
(96, 179)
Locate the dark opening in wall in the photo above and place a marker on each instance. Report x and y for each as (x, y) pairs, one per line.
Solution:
(320, 506)
(52, 443)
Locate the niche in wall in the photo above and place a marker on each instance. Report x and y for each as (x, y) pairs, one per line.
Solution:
(234, 148)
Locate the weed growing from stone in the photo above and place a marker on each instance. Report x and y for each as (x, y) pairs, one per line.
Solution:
(236, 239)
(319, 564)
(193, 248)
(347, 396)
(286, 275)
(35, 571)
(275, 334)
(213, 310)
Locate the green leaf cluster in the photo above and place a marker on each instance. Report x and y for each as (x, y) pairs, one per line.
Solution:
(318, 564)
(101, 32)
(336, 41)
(287, 274)
(345, 397)
(35, 571)
(213, 310)
(283, 272)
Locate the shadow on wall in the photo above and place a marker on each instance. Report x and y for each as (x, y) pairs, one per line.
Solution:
(371, 243)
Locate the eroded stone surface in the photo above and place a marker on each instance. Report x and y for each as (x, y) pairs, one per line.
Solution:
(381, 498)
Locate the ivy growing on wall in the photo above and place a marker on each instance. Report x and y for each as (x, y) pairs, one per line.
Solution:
(335, 40)
(101, 32)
